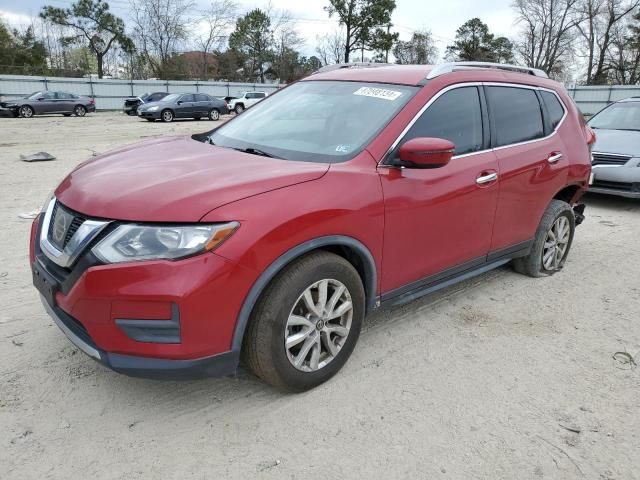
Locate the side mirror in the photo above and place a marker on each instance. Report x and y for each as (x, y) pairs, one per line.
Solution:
(179, 102)
(423, 152)
(40, 99)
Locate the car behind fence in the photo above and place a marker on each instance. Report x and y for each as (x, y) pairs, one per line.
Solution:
(111, 93)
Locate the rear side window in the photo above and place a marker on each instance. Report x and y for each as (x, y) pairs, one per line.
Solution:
(554, 108)
(516, 113)
(455, 116)
(200, 97)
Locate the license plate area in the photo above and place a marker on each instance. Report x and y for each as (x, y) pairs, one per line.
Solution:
(44, 283)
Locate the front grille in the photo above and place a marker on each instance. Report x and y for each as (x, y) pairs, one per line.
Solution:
(607, 159)
(132, 102)
(626, 187)
(73, 226)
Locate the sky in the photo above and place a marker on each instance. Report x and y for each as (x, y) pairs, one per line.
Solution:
(442, 17)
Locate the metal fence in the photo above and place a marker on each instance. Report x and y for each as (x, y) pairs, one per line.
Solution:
(593, 99)
(110, 94)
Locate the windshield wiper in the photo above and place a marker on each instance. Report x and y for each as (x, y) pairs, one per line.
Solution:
(257, 151)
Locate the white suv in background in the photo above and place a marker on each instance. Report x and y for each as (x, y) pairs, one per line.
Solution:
(245, 100)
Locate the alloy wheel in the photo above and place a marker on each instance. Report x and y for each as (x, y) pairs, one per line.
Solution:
(26, 112)
(80, 111)
(318, 325)
(556, 244)
(214, 114)
(167, 116)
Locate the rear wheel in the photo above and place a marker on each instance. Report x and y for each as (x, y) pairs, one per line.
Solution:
(552, 242)
(80, 110)
(214, 114)
(307, 323)
(26, 111)
(167, 116)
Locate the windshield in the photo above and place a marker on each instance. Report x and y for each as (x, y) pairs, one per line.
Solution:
(316, 121)
(34, 95)
(619, 116)
(171, 98)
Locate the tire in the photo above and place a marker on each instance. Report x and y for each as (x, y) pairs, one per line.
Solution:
(79, 110)
(548, 255)
(167, 116)
(239, 108)
(150, 119)
(214, 114)
(280, 315)
(197, 118)
(26, 111)
(66, 114)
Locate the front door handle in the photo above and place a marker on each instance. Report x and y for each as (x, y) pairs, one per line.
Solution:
(487, 178)
(555, 157)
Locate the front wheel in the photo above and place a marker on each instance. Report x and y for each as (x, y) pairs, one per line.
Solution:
(167, 116)
(552, 242)
(214, 114)
(26, 111)
(307, 323)
(80, 111)
(239, 109)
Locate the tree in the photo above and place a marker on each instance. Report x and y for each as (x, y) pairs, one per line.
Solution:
(330, 47)
(216, 21)
(624, 59)
(381, 41)
(360, 18)
(419, 50)
(548, 32)
(253, 37)
(599, 19)
(22, 52)
(474, 42)
(161, 27)
(94, 23)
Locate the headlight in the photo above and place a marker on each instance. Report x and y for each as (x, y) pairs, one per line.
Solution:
(130, 243)
(152, 109)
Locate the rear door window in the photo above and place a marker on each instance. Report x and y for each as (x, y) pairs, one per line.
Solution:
(554, 108)
(202, 97)
(186, 98)
(516, 114)
(455, 116)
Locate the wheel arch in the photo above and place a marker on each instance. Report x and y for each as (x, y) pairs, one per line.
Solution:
(568, 193)
(354, 251)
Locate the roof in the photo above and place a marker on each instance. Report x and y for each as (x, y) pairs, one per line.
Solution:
(416, 74)
(399, 74)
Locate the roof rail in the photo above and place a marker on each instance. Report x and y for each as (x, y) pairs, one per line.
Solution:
(457, 66)
(338, 66)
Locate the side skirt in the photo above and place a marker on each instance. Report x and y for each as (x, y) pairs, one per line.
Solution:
(458, 274)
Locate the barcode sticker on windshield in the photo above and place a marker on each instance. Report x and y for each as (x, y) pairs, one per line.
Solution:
(378, 93)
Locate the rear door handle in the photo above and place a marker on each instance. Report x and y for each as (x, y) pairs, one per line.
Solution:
(555, 157)
(487, 178)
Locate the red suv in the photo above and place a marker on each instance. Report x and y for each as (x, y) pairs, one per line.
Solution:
(271, 237)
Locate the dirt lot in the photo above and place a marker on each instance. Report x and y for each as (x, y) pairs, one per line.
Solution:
(501, 377)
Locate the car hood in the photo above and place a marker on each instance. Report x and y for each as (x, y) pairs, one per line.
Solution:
(621, 142)
(147, 105)
(175, 179)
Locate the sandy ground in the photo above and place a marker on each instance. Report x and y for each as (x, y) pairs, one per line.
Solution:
(484, 380)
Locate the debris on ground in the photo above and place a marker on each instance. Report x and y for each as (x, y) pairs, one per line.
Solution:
(37, 157)
(570, 428)
(29, 215)
(624, 358)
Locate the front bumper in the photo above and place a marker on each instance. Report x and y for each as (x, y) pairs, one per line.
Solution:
(622, 181)
(222, 364)
(147, 114)
(158, 319)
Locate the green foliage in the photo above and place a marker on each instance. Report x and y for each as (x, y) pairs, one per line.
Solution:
(253, 37)
(419, 50)
(474, 42)
(21, 53)
(94, 25)
(364, 22)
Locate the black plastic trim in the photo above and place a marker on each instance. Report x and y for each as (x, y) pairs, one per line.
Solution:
(371, 279)
(515, 251)
(153, 331)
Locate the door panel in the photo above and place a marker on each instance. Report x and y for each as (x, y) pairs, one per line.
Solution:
(437, 219)
(531, 173)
